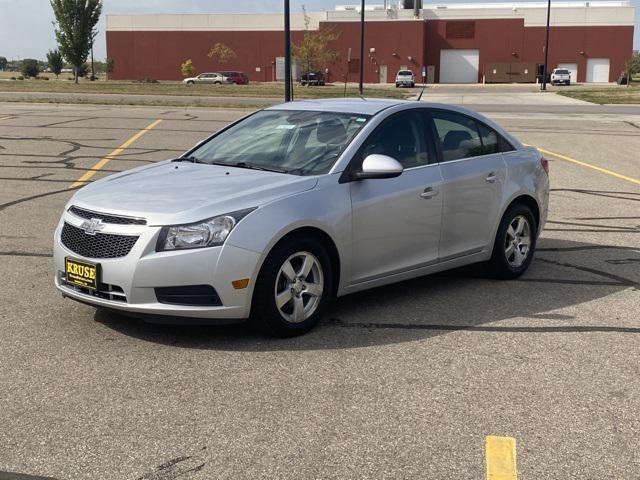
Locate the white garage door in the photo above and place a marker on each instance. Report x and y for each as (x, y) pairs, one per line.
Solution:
(573, 68)
(597, 70)
(459, 66)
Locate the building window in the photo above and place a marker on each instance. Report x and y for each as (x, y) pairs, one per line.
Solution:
(461, 30)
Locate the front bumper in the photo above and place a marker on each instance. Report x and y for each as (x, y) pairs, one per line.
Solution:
(128, 283)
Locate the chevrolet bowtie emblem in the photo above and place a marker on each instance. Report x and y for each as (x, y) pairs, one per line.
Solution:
(92, 226)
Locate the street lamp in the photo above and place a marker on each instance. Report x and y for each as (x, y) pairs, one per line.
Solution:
(360, 84)
(546, 48)
(287, 52)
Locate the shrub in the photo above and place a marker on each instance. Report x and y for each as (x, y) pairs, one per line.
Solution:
(187, 68)
(20, 77)
(30, 67)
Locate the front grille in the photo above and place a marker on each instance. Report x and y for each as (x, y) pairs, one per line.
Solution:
(107, 218)
(190, 295)
(100, 245)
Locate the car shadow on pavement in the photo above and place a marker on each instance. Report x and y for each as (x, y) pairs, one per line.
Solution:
(563, 274)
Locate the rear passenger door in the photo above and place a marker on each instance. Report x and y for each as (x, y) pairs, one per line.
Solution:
(473, 172)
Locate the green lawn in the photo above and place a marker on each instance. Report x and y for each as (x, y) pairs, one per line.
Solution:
(271, 89)
(602, 96)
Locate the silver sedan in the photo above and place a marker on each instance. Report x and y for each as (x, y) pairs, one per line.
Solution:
(272, 217)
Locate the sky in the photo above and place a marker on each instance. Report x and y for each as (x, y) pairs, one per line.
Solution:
(26, 30)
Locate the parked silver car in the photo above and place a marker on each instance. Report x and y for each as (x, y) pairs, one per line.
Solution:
(206, 78)
(275, 215)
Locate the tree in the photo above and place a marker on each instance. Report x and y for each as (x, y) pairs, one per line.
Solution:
(313, 52)
(222, 53)
(632, 67)
(54, 57)
(187, 68)
(30, 68)
(3, 63)
(75, 29)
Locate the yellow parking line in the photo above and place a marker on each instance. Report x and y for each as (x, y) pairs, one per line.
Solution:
(90, 173)
(588, 165)
(500, 458)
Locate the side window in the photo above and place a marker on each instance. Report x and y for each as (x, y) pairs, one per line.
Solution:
(504, 146)
(402, 137)
(489, 139)
(493, 142)
(458, 135)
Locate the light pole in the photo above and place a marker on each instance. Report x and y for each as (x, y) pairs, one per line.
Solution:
(360, 84)
(287, 52)
(546, 48)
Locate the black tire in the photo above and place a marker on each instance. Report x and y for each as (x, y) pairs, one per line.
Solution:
(217, 83)
(499, 265)
(397, 85)
(190, 83)
(265, 315)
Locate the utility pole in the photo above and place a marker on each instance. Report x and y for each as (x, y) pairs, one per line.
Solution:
(546, 48)
(287, 51)
(93, 73)
(360, 84)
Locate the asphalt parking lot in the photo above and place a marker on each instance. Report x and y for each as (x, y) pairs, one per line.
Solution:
(404, 381)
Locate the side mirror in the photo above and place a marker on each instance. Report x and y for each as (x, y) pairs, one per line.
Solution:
(379, 166)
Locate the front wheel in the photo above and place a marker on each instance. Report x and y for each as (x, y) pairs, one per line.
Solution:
(293, 288)
(515, 243)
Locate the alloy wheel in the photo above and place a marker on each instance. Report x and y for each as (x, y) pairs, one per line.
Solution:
(518, 241)
(299, 287)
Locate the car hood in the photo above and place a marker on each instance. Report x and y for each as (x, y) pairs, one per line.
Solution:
(183, 192)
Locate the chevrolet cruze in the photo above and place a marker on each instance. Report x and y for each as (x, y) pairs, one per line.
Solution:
(275, 215)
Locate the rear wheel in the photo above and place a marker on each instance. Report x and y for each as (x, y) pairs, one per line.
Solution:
(293, 289)
(515, 243)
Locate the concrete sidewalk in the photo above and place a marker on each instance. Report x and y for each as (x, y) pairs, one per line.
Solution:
(500, 98)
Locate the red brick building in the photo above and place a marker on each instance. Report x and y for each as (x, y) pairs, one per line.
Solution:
(455, 43)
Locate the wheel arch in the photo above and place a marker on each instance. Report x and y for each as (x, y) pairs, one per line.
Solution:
(530, 202)
(324, 238)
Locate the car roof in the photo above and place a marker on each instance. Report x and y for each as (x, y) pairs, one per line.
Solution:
(365, 106)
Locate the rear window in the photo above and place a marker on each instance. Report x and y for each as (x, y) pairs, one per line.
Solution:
(562, 72)
(405, 72)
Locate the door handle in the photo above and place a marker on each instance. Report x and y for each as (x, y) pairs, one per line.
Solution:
(428, 193)
(491, 178)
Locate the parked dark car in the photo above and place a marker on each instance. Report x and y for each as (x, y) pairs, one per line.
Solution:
(312, 78)
(239, 78)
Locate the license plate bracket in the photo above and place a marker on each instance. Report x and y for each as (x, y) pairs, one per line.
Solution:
(82, 273)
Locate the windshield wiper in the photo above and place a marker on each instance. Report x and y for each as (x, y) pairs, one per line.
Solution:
(253, 166)
(187, 159)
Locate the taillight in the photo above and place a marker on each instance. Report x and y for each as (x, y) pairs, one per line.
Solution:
(545, 165)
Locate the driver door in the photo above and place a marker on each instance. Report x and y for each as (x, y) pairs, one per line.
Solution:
(396, 221)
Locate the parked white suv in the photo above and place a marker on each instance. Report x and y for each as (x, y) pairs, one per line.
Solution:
(560, 76)
(405, 78)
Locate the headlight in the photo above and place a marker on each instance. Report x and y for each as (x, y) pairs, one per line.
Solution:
(207, 233)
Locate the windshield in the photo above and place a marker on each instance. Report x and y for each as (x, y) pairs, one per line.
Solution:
(297, 142)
